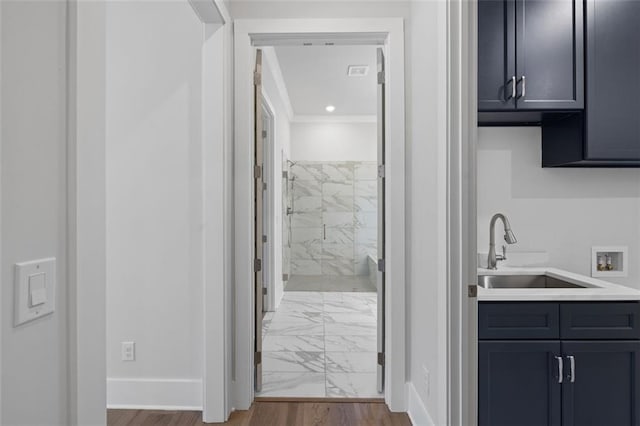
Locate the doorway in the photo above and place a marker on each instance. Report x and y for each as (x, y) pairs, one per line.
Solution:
(393, 214)
(323, 335)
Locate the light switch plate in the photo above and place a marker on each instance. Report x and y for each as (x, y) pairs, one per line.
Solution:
(35, 290)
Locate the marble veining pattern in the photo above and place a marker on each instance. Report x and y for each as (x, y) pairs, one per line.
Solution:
(337, 200)
(321, 344)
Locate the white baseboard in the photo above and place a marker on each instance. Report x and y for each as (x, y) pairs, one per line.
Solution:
(417, 411)
(155, 394)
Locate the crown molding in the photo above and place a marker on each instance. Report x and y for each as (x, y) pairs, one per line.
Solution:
(334, 119)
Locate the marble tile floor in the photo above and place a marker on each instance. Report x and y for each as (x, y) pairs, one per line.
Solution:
(327, 283)
(321, 344)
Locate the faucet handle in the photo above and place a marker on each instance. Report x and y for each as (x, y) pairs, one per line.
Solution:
(502, 256)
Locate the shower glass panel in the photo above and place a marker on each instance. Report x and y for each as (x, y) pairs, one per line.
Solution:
(334, 221)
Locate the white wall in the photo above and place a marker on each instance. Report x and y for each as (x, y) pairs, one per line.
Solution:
(426, 160)
(425, 43)
(327, 141)
(562, 211)
(278, 99)
(34, 355)
(154, 203)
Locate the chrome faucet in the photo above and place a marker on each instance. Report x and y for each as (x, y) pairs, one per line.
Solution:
(492, 261)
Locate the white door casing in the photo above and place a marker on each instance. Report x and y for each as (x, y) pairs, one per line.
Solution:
(388, 32)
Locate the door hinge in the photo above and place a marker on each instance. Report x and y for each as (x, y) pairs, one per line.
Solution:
(381, 265)
(381, 171)
(264, 134)
(473, 290)
(257, 358)
(257, 172)
(285, 277)
(381, 77)
(257, 265)
(381, 359)
(264, 238)
(264, 291)
(257, 79)
(264, 186)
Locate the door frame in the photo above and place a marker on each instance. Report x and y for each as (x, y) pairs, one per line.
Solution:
(385, 31)
(270, 206)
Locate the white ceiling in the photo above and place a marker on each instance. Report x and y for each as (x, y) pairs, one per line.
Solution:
(316, 76)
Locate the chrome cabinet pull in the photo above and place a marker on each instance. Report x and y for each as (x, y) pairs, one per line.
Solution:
(524, 87)
(572, 374)
(324, 232)
(513, 87)
(560, 368)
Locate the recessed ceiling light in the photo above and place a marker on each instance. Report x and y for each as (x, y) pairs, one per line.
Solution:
(330, 108)
(358, 70)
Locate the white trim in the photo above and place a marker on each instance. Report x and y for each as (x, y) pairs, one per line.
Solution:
(357, 37)
(271, 60)
(207, 11)
(244, 60)
(416, 410)
(216, 385)
(462, 226)
(155, 394)
(270, 205)
(334, 119)
(86, 180)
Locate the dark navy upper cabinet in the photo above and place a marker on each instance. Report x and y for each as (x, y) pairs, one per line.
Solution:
(607, 133)
(613, 83)
(530, 56)
(602, 387)
(496, 55)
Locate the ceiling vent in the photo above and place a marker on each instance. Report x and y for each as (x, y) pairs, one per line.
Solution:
(358, 70)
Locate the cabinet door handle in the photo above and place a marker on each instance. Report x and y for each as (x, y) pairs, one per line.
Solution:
(524, 87)
(560, 368)
(513, 87)
(324, 232)
(572, 363)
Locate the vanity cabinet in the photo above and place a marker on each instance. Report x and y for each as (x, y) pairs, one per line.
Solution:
(530, 56)
(559, 363)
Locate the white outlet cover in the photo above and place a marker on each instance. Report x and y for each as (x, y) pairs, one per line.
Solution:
(35, 290)
(128, 351)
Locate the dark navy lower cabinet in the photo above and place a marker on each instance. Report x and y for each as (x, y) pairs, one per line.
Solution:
(583, 377)
(518, 383)
(602, 387)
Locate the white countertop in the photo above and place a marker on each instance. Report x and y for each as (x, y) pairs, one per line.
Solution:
(596, 289)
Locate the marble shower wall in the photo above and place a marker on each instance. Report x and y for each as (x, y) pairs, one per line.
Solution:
(334, 224)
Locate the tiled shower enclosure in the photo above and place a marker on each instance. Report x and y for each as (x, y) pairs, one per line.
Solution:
(334, 220)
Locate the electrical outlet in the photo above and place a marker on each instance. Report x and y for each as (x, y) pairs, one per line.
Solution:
(426, 377)
(128, 351)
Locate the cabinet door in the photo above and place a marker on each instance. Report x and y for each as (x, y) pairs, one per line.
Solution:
(496, 55)
(518, 383)
(606, 386)
(613, 80)
(550, 54)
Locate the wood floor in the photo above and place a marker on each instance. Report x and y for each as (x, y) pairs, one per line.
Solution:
(272, 414)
